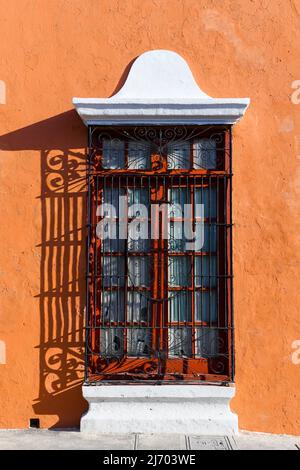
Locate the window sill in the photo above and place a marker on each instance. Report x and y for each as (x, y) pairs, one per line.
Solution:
(168, 409)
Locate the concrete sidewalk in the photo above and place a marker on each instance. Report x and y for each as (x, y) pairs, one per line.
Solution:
(73, 439)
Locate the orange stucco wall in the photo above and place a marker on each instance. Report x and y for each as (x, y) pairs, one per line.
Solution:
(53, 50)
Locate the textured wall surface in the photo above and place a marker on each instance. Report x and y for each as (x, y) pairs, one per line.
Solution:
(53, 50)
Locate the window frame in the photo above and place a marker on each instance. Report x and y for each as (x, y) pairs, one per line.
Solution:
(94, 373)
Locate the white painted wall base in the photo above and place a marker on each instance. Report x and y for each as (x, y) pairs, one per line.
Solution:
(192, 409)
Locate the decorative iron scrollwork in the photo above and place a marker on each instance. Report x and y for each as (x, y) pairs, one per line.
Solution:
(176, 148)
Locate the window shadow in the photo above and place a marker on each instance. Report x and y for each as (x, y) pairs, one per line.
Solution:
(62, 266)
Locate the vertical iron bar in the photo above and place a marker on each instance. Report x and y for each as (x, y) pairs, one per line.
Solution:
(88, 238)
(95, 271)
(126, 263)
(210, 231)
(231, 259)
(193, 267)
(217, 262)
(201, 292)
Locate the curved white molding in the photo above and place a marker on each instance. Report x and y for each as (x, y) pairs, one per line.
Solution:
(160, 88)
(160, 75)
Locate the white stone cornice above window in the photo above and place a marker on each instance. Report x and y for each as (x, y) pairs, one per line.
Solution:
(160, 88)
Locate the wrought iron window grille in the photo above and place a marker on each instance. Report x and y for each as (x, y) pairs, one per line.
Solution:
(157, 310)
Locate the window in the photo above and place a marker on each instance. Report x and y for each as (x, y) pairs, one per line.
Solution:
(159, 280)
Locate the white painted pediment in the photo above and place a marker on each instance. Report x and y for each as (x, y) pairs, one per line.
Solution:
(160, 88)
(160, 75)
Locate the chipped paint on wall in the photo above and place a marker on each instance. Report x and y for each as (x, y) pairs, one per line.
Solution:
(2, 352)
(2, 92)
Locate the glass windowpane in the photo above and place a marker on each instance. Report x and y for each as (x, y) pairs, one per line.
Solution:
(207, 342)
(113, 153)
(179, 306)
(205, 271)
(180, 342)
(138, 341)
(206, 237)
(113, 271)
(176, 239)
(179, 155)
(206, 306)
(208, 198)
(113, 306)
(138, 155)
(112, 242)
(179, 271)
(177, 198)
(205, 154)
(111, 342)
(138, 307)
(139, 271)
(138, 237)
(138, 202)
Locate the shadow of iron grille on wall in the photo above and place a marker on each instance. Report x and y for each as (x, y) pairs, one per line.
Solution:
(159, 302)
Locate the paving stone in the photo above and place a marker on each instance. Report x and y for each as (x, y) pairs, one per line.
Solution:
(69, 439)
(259, 441)
(161, 442)
(63, 440)
(211, 443)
